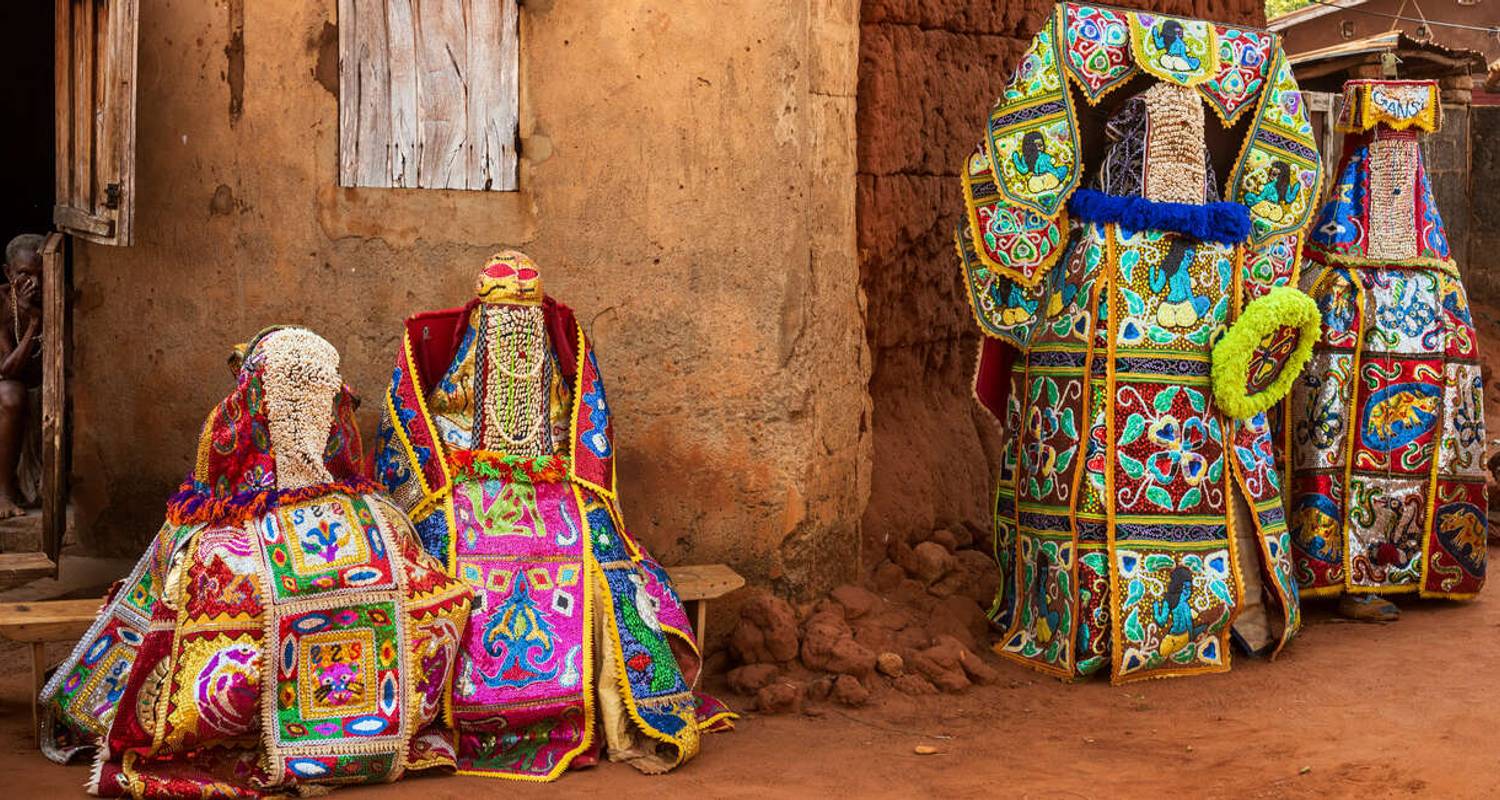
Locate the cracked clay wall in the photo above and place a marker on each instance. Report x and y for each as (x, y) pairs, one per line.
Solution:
(928, 72)
(687, 185)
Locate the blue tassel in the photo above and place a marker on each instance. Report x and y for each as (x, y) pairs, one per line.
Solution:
(1226, 223)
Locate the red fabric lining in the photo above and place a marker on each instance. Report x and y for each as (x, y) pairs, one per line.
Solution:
(992, 376)
(435, 336)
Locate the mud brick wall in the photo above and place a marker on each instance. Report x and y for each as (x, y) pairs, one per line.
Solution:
(1481, 267)
(928, 72)
(1446, 155)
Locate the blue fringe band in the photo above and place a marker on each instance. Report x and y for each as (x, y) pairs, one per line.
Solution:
(1226, 223)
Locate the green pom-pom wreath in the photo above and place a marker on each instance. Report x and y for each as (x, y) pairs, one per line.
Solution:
(1256, 361)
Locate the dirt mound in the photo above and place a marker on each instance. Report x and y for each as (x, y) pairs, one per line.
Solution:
(916, 628)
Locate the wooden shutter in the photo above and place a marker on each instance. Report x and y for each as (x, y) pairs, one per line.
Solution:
(96, 49)
(428, 93)
(55, 333)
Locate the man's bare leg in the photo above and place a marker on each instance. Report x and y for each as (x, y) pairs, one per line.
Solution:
(13, 411)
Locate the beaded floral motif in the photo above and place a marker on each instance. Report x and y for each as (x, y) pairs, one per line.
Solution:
(1096, 49)
(1244, 60)
(1010, 240)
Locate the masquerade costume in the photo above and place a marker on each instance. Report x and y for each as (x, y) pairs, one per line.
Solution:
(1138, 511)
(497, 439)
(284, 628)
(1388, 425)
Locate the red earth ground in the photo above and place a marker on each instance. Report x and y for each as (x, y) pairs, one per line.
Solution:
(1401, 710)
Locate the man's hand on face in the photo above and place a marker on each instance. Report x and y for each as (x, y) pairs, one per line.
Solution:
(28, 292)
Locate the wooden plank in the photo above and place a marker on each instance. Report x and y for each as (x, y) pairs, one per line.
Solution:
(77, 221)
(371, 85)
(85, 50)
(124, 40)
(48, 620)
(405, 119)
(54, 397)
(442, 88)
(491, 112)
(704, 581)
(19, 568)
(348, 94)
(62, 112)
(101, 121)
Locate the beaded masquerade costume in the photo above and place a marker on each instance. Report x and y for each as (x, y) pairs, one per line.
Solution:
(497, 439)
(1135, 519)
(1388, 425)
(284, 628)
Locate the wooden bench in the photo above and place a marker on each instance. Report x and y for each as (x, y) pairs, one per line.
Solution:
(696, 584)
(43, 621)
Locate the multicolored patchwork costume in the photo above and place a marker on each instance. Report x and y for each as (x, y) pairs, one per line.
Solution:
(284, 629)
(1388, 425)
(497, 439)
(1136, 521)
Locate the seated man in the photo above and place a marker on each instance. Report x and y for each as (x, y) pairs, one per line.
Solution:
(20, 361)
(497, 439)
(283, 629)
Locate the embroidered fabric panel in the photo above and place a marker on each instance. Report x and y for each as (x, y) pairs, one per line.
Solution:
(1278, 175)
(1003, 307)
(1096, 49)
(1399, 105)
(1181, 51)
(519, 695)
(1004, 507)
(80, 700)
(520, 546)
(1256, 468)
(327, 546)
(1050, 405)
(1007, 239)
(1032, 136)
(1244, 62)
(245, 684)
(593, 427)
(1321, 403)
(1171, 562)
(1410, 486)
(1275, 262)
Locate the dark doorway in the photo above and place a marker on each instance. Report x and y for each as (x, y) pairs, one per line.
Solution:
(26, 137)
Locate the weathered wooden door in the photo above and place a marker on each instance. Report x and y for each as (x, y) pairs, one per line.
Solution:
(55, 333)
(95, 128)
